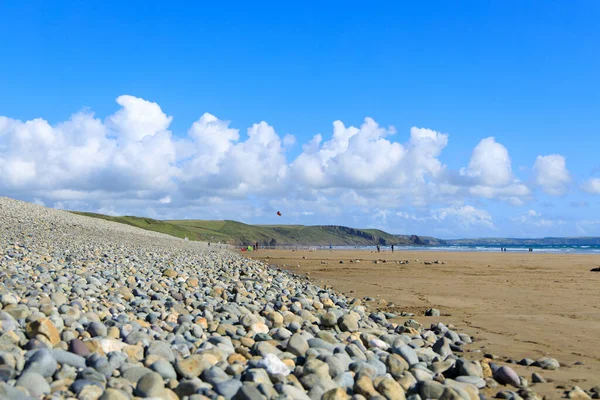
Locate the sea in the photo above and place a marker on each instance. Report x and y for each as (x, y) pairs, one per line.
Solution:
(567, 249)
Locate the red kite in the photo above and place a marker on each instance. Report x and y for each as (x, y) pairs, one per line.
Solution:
(279, 213)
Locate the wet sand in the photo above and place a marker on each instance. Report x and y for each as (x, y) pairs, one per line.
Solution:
(515, 305)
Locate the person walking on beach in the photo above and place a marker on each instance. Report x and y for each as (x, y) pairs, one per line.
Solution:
(392, 248)
(378, 249)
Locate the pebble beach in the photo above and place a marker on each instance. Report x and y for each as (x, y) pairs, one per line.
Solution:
(92, 309)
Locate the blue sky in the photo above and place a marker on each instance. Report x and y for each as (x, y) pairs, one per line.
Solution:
(524, 73)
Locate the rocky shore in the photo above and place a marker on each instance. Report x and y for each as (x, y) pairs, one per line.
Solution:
(98, 310)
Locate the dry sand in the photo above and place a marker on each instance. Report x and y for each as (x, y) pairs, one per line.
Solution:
(515, 305)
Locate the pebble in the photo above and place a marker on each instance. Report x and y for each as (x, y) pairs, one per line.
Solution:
(408, 353)
(507, 376)
(63, 357)
(432, 312)
(78, 347)
(164, 368)
(93, 309)
(578, 394)
(41, 361)
(150, 385)
(34, 383)
(537, 378)
(547, 363)
(297, 345)
(113, 394)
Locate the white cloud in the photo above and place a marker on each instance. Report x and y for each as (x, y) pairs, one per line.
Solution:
(490, 164)
(551, 174)
(534, 218)
(365, 159)
(489, 175)
(137, 118)
(592, 186)
(131, 162)
(165, 200)
(217, 162)
(465, 216)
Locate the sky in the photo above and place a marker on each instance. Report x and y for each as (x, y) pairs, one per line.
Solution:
(449, 119)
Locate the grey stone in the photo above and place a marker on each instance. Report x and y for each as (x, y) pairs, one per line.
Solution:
(472, 380)
(408, 354)
(547, 363)
(97, 329)
(134, 374)
(537, 378)
(164, 369)
(229, 388)
(150, 385)
(162, 349)
(41, 361)
(432, 312)
(63, 357)
(348, 323)
(430, 389)
(297, 345)
(34, 383)
(507, 376)
(248, 392)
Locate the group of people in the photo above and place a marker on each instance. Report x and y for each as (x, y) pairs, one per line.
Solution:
(379, 248)
(504, 249)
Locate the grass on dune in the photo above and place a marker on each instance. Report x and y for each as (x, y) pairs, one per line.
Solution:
(238, 233)
(149, 224)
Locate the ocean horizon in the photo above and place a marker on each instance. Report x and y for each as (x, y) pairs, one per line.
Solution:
(555, 249)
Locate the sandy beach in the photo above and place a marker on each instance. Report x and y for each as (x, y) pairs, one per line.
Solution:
(516, 305)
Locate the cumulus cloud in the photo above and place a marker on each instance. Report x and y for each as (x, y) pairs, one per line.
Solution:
(367, 160)
(490, 164)
(489, 175)
(131, 162)
(216, 161)
(354, 157)
(551, 174)
(137, 118)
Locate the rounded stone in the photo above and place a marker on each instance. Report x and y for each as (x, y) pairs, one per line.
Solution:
(34, 383)
(348, 323)
(192, 366)
(150, 385)
(507, 376)
(78, 347)
(297, 345)
(97, 329)
(164, 369)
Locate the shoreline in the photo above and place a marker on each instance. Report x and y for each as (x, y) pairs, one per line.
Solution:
(516, 305)
(553, 250)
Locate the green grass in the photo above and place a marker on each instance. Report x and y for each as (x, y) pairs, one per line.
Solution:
(149, 224)
(238, 233)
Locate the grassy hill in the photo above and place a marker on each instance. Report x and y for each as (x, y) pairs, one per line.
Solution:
(238, 233)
